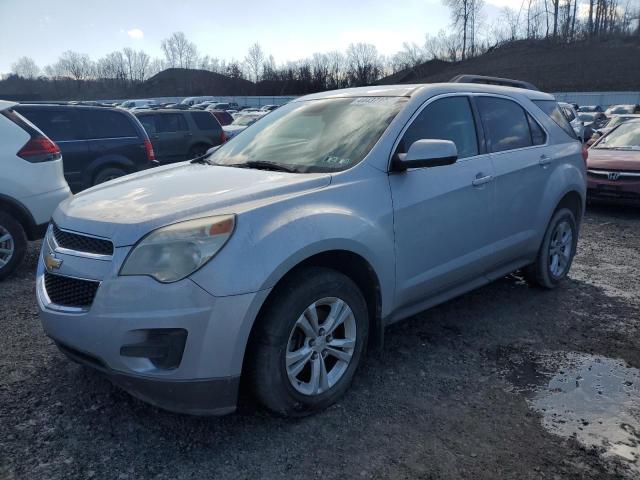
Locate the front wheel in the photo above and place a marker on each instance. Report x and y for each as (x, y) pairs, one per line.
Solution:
(556, 252)
(309, 342)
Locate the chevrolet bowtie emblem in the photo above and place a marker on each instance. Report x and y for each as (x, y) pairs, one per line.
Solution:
(51, 262)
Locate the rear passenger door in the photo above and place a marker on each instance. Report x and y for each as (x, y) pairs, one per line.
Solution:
(521, 160)
(443, 216)
(209, 129)
(174, 136)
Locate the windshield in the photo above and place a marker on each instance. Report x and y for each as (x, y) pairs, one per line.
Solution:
(324, 135)
(625, 137)
(621, 109)
(245, 120)
(616, 121)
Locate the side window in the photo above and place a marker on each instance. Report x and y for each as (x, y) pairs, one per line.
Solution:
(506, 124)
(172, 122)
(538, 136)
(569, 114)
(59, 125)
(205, 121)
(449, 118)
(108, 124)
(551, 108)
(149, 123)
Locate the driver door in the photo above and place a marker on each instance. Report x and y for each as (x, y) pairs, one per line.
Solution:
(443, 216)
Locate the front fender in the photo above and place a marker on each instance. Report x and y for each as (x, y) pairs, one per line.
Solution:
(261, 252)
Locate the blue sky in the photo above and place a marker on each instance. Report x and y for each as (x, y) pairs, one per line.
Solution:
(289, 30)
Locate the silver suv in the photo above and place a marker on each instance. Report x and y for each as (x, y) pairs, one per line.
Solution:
(282, 255)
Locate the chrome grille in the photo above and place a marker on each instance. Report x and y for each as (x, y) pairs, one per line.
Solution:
(82, 243)
(70, 292)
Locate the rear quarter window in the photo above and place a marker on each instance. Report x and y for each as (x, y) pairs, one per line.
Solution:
(552, 109)
(148, 123)
(205, 121)
(108, 124)
(57, 124)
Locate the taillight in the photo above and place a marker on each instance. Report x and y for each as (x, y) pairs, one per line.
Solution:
(223, 137)
(151, 156)
(39, 149)
(585, 153)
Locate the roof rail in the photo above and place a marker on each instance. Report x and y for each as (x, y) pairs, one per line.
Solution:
(505, 82)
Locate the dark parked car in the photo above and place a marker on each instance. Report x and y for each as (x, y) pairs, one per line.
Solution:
(222, 116)
(97, 143)
(179, 135)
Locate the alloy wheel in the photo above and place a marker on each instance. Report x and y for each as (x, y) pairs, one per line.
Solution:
(7, 246)
(320, 346)
(560, 249)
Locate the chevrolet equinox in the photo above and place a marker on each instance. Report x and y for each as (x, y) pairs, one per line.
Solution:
(281, 255)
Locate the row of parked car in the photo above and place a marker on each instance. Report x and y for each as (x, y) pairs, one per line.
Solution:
(590, 122)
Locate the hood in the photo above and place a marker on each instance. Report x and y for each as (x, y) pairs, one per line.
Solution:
(605, 159)
(126, 209)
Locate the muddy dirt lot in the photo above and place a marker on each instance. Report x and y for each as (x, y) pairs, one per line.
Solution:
(505, 382)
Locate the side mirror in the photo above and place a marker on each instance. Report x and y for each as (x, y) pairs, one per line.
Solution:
(426, 153)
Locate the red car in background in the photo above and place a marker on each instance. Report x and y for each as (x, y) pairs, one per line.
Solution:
(613, 166)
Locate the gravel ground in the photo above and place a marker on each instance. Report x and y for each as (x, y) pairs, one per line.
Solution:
(449, 397)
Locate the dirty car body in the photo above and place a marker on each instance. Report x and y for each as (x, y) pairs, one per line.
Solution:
(404, 238)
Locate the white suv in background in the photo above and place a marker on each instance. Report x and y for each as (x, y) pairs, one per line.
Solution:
(31, 185)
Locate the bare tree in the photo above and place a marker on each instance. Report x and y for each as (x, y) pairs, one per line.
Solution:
(179, 52)
(363, 64)
(465, 15)
(75, 65)
(254, 59)
(26, 67)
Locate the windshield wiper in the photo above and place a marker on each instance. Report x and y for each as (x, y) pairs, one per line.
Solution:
(264, 165)
(204, 159)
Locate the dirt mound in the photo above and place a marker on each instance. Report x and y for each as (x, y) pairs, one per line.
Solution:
(583, 66)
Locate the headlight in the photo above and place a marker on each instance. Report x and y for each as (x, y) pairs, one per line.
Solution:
(174, 252)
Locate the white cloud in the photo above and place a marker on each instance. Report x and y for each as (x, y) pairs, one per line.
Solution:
(135, 33)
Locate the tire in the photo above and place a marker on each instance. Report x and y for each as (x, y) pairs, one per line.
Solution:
(108, 174)
(197, 151)
(13, 244)
(554, 259)
(278, 331)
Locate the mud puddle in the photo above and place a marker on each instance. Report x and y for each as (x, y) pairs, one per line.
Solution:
(595, 400)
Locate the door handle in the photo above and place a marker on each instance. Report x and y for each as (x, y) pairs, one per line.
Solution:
(544, 160)
(481, 180)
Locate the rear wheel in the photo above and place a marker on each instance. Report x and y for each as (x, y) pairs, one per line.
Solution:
(108, 174)
(309, 342)
(557, 251)
(13, 244)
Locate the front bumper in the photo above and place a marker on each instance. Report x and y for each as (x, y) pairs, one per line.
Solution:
(621, 191)
(215, 396)
(126, 309)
